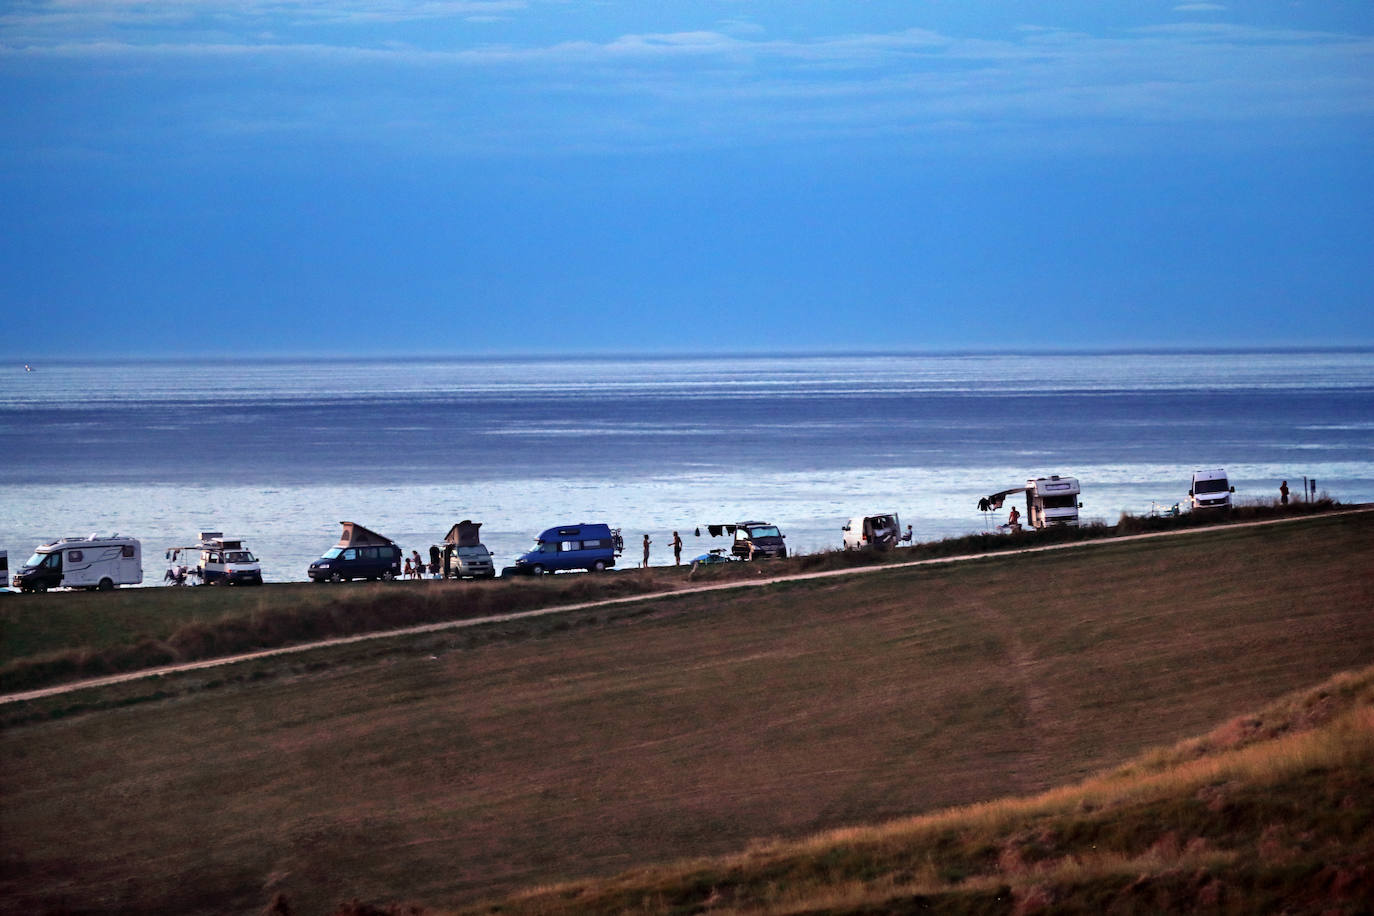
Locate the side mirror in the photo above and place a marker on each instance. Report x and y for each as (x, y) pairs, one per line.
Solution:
(1233, 489)
(1080, 505)
(1190, 492)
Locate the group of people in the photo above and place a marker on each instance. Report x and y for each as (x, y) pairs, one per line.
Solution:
(675, 543)
(416, 568)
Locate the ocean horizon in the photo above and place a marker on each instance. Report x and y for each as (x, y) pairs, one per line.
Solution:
(277, 450)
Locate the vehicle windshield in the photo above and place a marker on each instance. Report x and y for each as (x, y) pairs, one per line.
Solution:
(332, 553)
(35, 559)
(239, 556)
(1211, 486)
(1061, 502)
(765, 531)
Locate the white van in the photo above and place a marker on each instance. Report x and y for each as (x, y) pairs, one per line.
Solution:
(1052, 501)
(92, 562)
(1210, 491)
(876, 531)
(221, 562)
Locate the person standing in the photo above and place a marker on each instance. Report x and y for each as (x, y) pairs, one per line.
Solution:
(1283, 493)
(677, 549)
(647, 542)
(1014, 519)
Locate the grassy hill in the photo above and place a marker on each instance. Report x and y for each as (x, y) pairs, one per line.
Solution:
(459, 767)
(1271, 812)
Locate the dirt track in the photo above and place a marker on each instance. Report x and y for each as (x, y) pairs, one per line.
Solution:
(564, 608)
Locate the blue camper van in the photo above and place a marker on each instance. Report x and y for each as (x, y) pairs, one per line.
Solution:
(589, 547)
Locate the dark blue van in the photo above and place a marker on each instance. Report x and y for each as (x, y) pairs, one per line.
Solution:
(360, 554)
(589, 547)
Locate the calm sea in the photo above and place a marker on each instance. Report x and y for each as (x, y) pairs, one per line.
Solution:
(278, 452)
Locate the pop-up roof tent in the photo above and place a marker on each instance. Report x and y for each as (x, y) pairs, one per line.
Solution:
(355, 535)
(464, 534)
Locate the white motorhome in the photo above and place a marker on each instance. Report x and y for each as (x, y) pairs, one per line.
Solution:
(93, 562)
(1052, 501)
(1210, 491)
(876, 531)
(221, 562)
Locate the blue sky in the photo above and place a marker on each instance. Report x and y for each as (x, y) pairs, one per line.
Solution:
(184, 177)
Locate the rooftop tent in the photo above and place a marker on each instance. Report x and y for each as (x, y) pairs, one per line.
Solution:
(355, 535)
(464, 534)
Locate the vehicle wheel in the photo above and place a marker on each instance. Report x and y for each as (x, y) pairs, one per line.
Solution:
(335, 577)
(599, 566)
(536, 570)
(106, 585)
(388, 576)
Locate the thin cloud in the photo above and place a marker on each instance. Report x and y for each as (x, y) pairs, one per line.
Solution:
(711, 86)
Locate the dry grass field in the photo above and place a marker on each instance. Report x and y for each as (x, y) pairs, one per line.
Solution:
(1268, 813)
(451, 769)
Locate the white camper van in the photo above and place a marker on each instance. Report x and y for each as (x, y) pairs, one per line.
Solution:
(878, 532)
(92, 562)
(222, 562)
(1210, 491)
(1052, 501)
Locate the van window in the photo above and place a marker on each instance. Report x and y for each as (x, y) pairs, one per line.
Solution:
(368, 553)
(127, 551)
(565, 546)
(350, 554)
(74, 556)
(596, 545)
